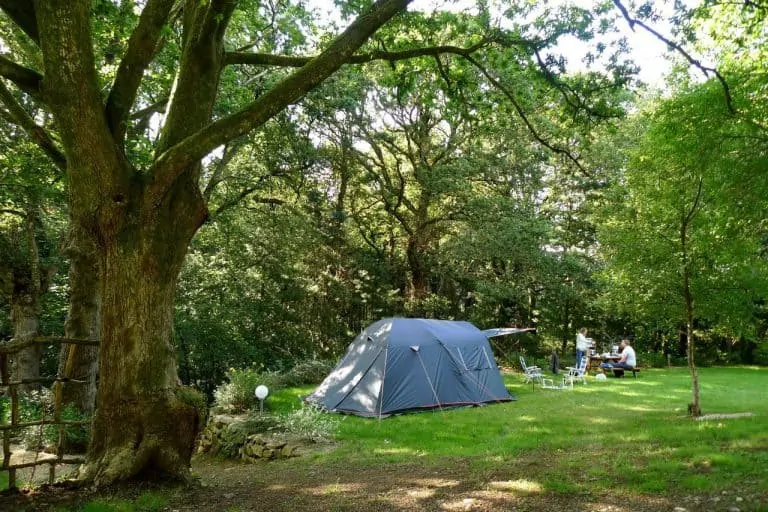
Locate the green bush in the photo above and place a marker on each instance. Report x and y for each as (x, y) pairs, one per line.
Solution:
(310, 371)
(238, 393)
(310, 423)
(761, 354)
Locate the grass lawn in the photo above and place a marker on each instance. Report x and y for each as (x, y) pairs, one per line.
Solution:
(619, 433)
(620, 445)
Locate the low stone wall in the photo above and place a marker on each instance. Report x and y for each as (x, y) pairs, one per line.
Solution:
(234, 437)
(257, 447)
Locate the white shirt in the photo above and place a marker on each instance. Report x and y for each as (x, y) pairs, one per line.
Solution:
(628, 355)
(581, 342)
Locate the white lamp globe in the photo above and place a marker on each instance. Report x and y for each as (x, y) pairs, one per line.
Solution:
(261, 392)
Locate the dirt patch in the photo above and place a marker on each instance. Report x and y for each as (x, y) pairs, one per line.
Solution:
(455, 484)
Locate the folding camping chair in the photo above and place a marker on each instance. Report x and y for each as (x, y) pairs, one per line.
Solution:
(531, 373)
(578, 372)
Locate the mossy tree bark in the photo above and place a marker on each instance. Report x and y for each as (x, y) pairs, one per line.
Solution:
(26, 284)
(140, 221)
(80, 362)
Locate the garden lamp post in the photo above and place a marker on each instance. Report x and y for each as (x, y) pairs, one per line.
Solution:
(261, 393)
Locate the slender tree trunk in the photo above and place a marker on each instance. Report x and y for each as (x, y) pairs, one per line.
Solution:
(81, 362)
(24, 317)
(25, 307)
(694, 408)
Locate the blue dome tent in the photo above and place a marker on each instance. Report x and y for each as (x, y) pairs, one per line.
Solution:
(407, 364)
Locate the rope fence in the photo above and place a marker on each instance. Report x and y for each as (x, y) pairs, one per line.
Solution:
(11, 389)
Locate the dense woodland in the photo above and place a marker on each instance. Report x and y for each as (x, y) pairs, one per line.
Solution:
(206, 185)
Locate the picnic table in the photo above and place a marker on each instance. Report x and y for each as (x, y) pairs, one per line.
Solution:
(597, 359)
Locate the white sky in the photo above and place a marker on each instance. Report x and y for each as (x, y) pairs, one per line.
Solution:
(646, 50)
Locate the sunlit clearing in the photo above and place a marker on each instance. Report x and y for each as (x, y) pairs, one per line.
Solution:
(600, 421)
(523, 486)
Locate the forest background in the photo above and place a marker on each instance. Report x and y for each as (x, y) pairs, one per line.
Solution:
(505, 192)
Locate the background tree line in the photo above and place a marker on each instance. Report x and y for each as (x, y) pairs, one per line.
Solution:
(464, 171)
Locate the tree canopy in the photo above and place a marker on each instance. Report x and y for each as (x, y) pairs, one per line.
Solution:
(249, 183)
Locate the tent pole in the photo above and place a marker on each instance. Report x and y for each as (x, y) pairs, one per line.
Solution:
(383, 380)
(426, 374)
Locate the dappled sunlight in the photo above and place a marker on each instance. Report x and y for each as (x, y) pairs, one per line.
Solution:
(466, 504)
(420, 493)
(631, 394)
(749, 444)
(608, 507)
(640, 408)
(601, 421)
(336, 488)
(393, 451)
(520, 486)
(439, 483)
(640, 437)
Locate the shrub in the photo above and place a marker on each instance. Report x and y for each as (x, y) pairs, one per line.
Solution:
(238, 393)
(310, 423)
(310, 371)
(761, 354)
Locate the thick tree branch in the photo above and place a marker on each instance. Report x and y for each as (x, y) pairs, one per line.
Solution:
(287, 61)
(25, 79)
(679, 49)
(141, 49)
(22, 12)
(170, 164)
(194, 94)
(37, 133)
(96, 169)
(520, 112)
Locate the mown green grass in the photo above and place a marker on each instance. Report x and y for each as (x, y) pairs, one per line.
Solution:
(622, 437)
(151, 501)
(619, 433)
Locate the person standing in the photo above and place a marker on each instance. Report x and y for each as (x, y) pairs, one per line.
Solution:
(582, 345)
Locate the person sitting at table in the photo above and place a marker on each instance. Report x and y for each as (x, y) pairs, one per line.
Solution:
(628, 359)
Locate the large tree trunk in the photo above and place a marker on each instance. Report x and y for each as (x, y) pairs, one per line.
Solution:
(143, 220)
(141, 426)
(419, 283)
(81, 361)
